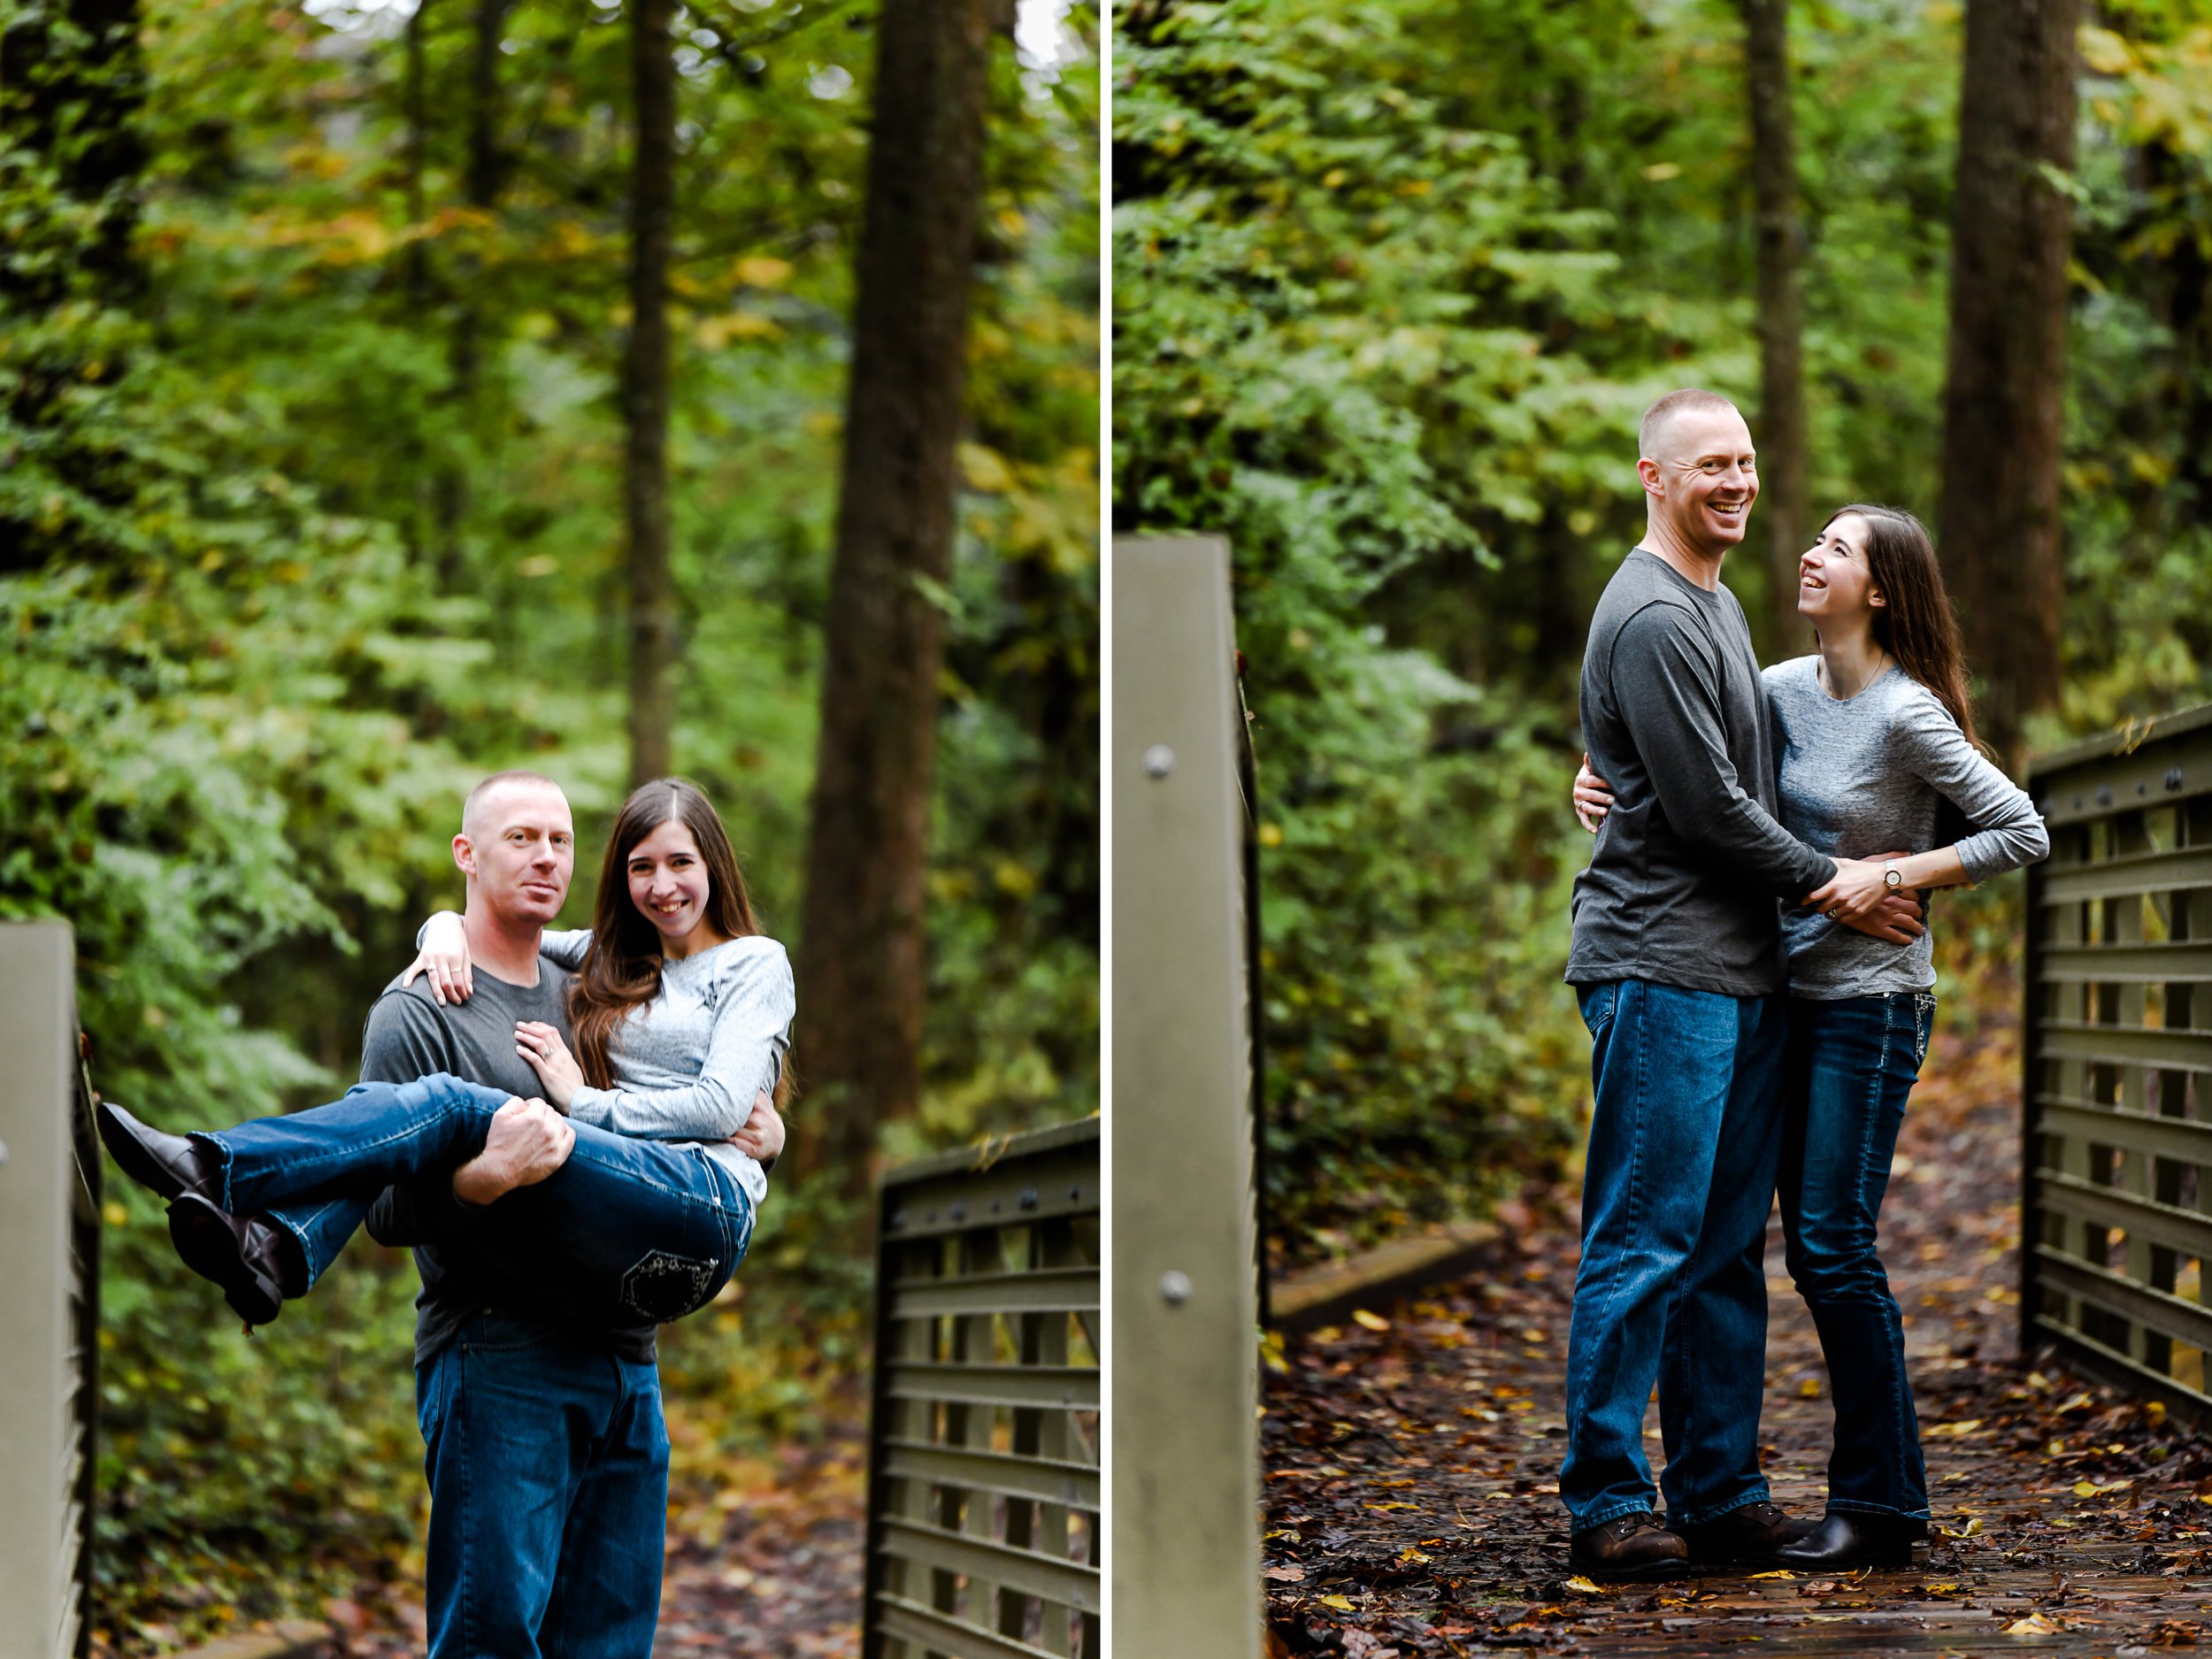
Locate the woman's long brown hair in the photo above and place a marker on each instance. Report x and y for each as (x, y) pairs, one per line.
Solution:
(1915, 625)
(622, 969)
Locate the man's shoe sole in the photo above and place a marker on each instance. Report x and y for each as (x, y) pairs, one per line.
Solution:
(1648, 1572)
(208, 1244)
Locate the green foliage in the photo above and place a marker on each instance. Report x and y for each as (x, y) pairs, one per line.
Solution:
(310, 515)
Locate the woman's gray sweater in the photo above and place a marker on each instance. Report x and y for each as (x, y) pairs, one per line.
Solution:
(689, 1063)
(1863, 775)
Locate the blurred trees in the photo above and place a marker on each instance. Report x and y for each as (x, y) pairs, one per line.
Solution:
(869, 840)
(1783, 433)
(312, 511)
(2004, 380)
(1394, 281)
(645, 391)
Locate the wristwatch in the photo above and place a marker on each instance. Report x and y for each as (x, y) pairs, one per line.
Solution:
(1893, 878)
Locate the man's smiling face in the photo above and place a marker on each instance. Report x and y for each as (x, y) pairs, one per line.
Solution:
(1703, 483)
(519, 850)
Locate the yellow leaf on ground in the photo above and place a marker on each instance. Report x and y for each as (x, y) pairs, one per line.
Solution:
(1781, 1573)
(2034, 1625)
(1340, 1603)
(1952, 1431)
(1373, 1321)
(1581, 1586)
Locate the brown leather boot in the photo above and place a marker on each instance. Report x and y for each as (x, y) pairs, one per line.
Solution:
(1745, 1537)
(1630, 1546)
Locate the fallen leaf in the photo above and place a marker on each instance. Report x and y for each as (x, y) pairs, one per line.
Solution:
(1286, 1575)
(1343, 1604)
(1581, 1586)
(2034, 1625)
(1373, 1321)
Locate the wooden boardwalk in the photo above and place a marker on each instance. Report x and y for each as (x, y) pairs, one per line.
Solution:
(1412, 1470)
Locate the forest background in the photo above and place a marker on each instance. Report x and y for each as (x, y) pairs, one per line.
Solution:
(319, 484)
(1394, 279)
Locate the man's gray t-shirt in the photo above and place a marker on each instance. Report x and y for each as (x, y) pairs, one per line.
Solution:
(1682, 880)
(408, 1035)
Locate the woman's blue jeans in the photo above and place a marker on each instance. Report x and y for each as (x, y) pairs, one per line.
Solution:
(1671, 1289)
(627, 1231)
(1847, 1069)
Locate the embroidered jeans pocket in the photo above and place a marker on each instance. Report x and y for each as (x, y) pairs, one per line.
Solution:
(1924, 1008)
(661, 1287)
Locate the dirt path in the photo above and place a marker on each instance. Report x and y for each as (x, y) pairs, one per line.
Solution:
(1412, 1461)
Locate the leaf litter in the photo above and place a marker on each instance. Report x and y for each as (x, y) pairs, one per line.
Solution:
(1412, 1456)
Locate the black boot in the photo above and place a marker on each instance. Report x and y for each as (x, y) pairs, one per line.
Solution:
(256, 1263)
(1747, 1536)
(1844, 1540)
(168, 1165)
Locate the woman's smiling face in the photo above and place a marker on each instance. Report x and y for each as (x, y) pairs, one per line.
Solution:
(1835, 582)
(668, 883)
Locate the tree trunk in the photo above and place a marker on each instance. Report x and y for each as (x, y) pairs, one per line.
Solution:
(645, 391)
(1784, 464)
(860, 1043)
(2010, 236)
(415, 272)
(480, 181)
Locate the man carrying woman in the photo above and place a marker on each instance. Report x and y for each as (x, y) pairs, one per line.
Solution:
(550, 1245)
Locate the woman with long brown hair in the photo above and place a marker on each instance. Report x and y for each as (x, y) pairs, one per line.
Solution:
(1879, 769)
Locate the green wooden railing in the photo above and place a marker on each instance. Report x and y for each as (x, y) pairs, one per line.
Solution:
(50, 1307)
(984, 1488)
(2116, 1062)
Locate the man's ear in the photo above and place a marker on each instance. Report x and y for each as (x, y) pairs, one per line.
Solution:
(1648, 470)
(463, 856)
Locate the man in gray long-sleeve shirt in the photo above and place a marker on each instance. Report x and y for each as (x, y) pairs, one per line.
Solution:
(1678, 963)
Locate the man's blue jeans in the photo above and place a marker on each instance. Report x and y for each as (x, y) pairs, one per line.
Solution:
(1672, 1290)
(627, 1231)
(548, 1461)
(1850, 1066)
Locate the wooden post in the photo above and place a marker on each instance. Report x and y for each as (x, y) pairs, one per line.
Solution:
(44, 1205)
(1184, 1558)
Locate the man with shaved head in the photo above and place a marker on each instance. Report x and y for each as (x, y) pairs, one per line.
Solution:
(1678, 963)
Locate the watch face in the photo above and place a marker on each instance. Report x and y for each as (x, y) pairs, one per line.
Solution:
(1893, 878)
